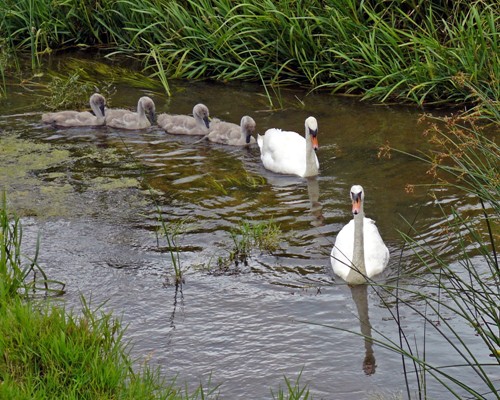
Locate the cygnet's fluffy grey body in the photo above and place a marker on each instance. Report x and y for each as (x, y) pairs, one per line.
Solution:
(196, 125)
(79, 118)
(126, 119)
(232, 134)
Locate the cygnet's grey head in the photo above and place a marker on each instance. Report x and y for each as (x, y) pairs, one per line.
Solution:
(99, 101)
(149, 108)
(200, 113)
(247, 127)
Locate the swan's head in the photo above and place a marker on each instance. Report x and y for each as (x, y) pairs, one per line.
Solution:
(148, 106)
(312, 131)
(247, 127)
(99, 101)
(200, 113)
(357, 197)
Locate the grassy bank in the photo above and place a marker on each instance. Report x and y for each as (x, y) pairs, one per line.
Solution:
(392, 51)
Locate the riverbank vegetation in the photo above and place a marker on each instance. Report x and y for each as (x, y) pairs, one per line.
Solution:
(405, 51)
(467, 287)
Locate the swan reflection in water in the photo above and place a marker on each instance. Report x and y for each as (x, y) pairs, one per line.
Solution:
(360, 297)
(316, 207)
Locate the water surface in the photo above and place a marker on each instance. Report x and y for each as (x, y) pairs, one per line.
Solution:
(96, 196)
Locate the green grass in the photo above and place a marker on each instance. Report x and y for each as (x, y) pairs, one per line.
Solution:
(47, 352)
(422, 52)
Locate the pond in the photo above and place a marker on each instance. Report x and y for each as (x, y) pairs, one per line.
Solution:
(97, 197)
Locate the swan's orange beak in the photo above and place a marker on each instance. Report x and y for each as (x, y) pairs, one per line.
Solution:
(314, 140)
(356, 204)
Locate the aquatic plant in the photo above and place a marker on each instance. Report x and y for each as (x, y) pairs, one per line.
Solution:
(67, 93)
(264, 235)
(20, 275)
(158, 64)
(293, 391)
(170, 233)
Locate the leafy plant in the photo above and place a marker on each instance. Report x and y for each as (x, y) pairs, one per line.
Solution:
(263, 235)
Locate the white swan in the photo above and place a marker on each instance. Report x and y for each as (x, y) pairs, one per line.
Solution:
(77, 118)
(287, 152)
(232, 134)
(359, 251)
(197, 125)
(126, 119)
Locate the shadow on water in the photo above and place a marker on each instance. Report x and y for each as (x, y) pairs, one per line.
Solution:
(88, 192)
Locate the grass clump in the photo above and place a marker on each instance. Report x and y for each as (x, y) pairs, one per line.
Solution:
(71, 92)
(248, 236)
(263, 235)
(293, 391)
(49, 353)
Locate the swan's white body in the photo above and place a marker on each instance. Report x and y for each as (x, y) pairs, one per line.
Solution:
(77, 118)
(286, 152)
(197, 125)
(231, 134)
(126, 119)
(359, 251)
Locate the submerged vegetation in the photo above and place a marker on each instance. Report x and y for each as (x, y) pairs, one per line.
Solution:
(398, 51)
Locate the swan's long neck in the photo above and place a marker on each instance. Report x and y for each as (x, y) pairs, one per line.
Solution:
(141, 112)
(357, 274)
(311, 167)
(96, 109)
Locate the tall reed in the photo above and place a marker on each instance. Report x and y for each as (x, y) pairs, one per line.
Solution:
(462, 292)
(396, 51)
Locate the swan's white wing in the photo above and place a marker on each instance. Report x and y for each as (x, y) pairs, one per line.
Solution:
(283, 152)
(376, 252)
(343, 251)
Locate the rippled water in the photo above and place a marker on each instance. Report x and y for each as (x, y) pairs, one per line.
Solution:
(96, 196)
